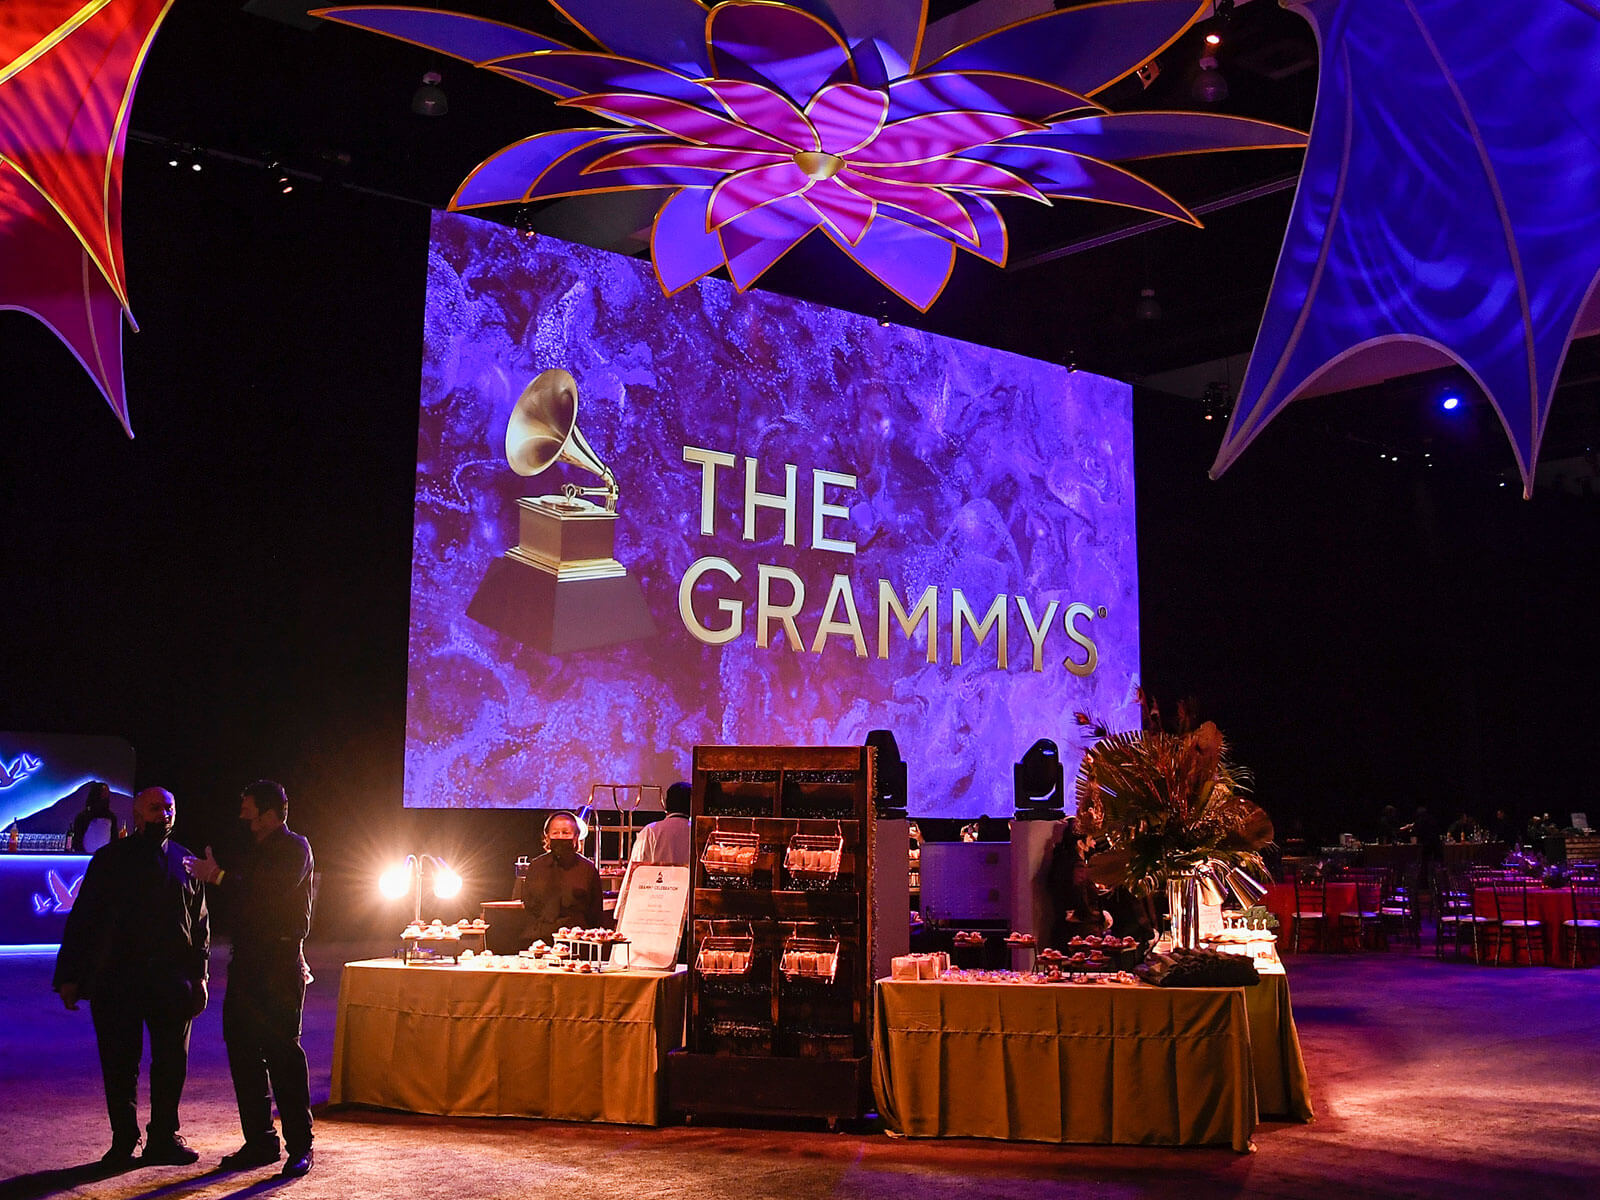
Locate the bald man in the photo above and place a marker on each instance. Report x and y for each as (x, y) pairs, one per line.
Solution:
(136, 946)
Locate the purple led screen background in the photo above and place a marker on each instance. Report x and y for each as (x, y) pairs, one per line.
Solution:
(976, 470)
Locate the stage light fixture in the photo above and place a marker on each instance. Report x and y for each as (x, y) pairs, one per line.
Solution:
(429, 100)
(281, 178)
(1451, 402)
(1039, 783)
(1148, 309)
(1209, 86)
(1213, 40)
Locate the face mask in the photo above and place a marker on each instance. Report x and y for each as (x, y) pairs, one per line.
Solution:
(156, 831)
(564, 850)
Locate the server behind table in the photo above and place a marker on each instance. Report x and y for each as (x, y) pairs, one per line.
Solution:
(562, 887)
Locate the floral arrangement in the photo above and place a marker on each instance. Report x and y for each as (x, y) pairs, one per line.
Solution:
(1167, 804)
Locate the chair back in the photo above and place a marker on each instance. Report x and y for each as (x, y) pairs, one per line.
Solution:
(1583, 872)
(1586, 902)
(1511, 901)
(1310, 895)
(1369, 892)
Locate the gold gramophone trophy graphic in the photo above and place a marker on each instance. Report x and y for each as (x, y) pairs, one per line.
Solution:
(561, 587)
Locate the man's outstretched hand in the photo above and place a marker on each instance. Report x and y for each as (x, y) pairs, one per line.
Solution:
(204, 869)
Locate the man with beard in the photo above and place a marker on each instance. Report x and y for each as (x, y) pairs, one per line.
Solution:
(136, 946)
(562, 887)
(269, 895)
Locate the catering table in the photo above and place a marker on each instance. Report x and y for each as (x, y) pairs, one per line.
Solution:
(1280, 901)
(1122, 1063)
(474, 1041)
(1282, 1089)
(1551, 906)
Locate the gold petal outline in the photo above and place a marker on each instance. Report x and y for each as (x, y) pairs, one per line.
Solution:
(876, 129)
(921, 76)
(885, 284)
(946, 193)
(1200, 10)
(453, 206)
(584, 29)
(711, 48)
(754, 278)
(872, 215)
(738, 120)
(1037, 127)
(332, 14)
(655, 226)
(1188, 217)
(1028, 191)
(120, 125)
(51, 40)
(1300, 144)
(727, 179)
(605, 164)
(586, 102)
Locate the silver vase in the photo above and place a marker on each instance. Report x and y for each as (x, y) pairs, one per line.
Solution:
(1183, 910)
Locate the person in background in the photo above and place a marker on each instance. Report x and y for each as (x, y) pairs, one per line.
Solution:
(1504, 829)
(664, 843)
(1075, 897)
(268, 891)
(96, 825)
(137, 946)
(1463, 829)
(562, 887)
(1389, 825)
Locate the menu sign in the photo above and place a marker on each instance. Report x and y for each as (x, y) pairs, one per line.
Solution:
(652, 920)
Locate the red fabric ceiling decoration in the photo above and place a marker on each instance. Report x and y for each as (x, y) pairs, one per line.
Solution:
(67, 73)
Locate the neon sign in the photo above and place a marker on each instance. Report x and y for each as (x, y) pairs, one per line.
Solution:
(62, 894)
(18, 769)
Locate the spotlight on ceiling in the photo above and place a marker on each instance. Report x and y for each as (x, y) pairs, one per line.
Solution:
(1450, 402)
(429, 100)
(1148, 309)
(1213, 40)
(1217, 403)
(1209, 86)
(281, 178)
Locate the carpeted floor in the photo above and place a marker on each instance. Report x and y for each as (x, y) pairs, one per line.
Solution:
(1430, 1079)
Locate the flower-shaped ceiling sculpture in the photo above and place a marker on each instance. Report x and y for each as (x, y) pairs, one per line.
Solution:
(67, 74)
(769, 121)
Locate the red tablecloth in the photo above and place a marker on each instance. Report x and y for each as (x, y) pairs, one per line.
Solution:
(1552, 907)
(1280, 902)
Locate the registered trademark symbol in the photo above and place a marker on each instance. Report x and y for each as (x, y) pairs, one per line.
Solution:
(1101, 611)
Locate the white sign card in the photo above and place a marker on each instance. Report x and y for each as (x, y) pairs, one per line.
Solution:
(652, 920)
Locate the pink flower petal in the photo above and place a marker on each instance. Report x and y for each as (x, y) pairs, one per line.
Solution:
(686, 121)
(848, 212)
(764, 109)
(964, 174)
(683, 154)
(748, 190)
(928, 202)
(847, 116)
(755, 241)
(761, 42)
(937, 135)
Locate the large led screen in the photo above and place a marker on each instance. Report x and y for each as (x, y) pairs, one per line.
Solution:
(818, 527)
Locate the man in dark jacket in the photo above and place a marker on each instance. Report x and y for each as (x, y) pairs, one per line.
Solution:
(269, 897)
(136, 946)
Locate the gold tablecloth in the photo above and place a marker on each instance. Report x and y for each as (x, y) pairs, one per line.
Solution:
(1065, 1063)
(466, 1041)
(1282, 1090)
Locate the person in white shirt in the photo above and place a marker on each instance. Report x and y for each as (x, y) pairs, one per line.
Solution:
(664, 843)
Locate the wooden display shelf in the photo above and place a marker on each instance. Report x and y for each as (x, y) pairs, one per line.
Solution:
(738, 1085)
